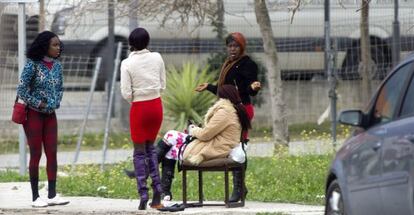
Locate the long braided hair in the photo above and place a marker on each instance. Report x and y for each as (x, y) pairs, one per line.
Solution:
(230, 92)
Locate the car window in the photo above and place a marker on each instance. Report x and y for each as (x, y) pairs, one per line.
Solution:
(387, 99)
(408, 104)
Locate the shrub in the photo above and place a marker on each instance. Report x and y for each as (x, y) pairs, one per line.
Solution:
(181, 102)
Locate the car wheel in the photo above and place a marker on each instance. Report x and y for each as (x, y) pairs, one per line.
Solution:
(334, 203)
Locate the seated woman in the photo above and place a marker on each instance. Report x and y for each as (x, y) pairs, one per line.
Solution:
(223, 126)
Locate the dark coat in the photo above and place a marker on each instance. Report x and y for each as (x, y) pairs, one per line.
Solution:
(241, 75)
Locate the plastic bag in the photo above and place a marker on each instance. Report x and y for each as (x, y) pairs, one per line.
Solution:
(238, 154)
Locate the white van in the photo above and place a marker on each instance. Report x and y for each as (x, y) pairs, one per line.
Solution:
(300, 44)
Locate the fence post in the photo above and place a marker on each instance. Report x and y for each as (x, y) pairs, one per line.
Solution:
(88, 108)
(396, 41)
(111, 98)
(22, 60)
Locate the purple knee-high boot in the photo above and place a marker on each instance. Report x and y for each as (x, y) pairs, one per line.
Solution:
(141, 173)
(154, 173)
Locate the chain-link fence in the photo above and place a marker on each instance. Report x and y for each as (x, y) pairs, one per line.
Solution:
(77, 73)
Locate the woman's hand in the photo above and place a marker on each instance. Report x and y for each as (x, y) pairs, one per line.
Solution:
(201, 87)
(191, 129)
(256, 86)
(42, 105)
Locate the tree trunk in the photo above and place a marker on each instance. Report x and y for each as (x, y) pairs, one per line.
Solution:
(42, 15)
(273, 74)
(366, 66)
(220, 20)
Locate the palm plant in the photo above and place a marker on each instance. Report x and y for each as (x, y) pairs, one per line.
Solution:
(180, 100)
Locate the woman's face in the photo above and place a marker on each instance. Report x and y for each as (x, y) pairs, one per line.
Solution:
(54, 48)
(233, 50)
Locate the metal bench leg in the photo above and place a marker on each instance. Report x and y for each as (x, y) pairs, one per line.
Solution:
(184, 188)
(226, 188)
(200, 187)
(243, 190)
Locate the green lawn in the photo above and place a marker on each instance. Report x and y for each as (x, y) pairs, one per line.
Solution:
(278, 179)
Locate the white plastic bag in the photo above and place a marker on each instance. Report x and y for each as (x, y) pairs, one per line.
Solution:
(238, 154)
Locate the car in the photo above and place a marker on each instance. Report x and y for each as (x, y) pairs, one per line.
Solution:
(373, 171)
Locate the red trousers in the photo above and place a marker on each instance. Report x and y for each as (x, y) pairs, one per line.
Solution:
(41, 129)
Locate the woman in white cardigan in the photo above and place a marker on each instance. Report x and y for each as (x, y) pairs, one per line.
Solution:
(142, 80)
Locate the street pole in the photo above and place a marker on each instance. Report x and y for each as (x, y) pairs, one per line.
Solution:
(110, 105)
(329, 62)
(22, 61)
(396, 41)
(110, 45)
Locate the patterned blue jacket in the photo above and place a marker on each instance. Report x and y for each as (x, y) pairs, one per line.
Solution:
(38, 83)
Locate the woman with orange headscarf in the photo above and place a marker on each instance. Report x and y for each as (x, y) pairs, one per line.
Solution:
(241, 71)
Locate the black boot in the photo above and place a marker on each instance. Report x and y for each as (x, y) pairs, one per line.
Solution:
(167, 176)
(129, 173)
(237, 187)
(162, 148)
(142, 204)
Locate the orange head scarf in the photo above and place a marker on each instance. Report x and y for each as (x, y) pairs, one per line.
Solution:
(239, 38)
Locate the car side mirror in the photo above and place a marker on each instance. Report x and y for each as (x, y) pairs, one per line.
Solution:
(351, 117)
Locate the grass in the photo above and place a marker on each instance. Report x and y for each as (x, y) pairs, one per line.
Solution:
(301, 132)
(281, 178)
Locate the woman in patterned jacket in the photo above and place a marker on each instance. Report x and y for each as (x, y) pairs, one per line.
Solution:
(41, 89)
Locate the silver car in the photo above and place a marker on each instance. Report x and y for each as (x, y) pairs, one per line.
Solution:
(373, 172)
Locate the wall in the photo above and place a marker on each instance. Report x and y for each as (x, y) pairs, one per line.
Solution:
(307, 100)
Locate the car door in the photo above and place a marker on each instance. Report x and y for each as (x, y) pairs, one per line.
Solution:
(396, 185)
(365, 164)
(363, 168)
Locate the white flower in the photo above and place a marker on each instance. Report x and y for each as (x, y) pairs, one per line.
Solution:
(101, 189)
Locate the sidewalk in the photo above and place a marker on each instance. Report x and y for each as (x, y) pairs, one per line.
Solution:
(15, 198)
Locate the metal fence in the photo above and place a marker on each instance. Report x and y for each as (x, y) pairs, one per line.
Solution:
(77, 73)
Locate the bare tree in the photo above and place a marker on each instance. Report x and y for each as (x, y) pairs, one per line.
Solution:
(217, 20)
(367, 65)
(180, 12)
(279, 121)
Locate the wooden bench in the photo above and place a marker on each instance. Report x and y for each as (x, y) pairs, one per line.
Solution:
(225, 165)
